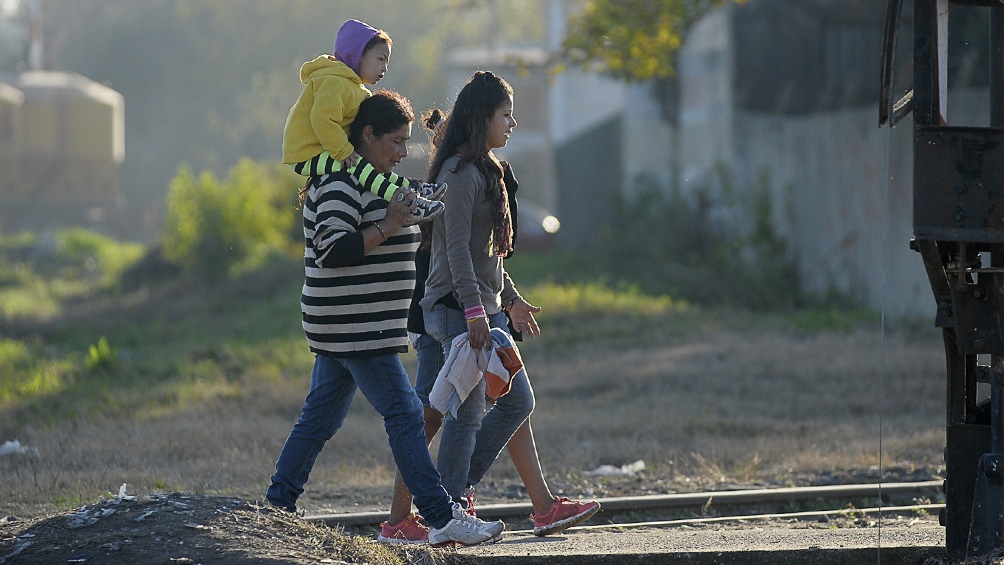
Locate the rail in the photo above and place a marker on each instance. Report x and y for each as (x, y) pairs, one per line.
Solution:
(698, 500)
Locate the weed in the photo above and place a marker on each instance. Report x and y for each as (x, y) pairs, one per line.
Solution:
(750, 469)
(715, 245)
(100, 356)
(217, 228)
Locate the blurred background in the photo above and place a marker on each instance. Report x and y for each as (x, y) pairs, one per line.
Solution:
(738, 133)
(711, 220)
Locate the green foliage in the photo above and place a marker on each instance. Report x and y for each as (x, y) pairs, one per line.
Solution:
(39, 274)
(217, 228)
(100, 356)
(89, 254)
(23, 291)
(25, 372)
(712, 246)
(597, 298)
(633, 39)
(616, 314)
(195, 341)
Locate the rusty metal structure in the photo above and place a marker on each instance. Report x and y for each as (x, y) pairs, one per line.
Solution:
(958, 219)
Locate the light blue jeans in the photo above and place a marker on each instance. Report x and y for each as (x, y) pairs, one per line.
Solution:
(471, 442)
(384, 382)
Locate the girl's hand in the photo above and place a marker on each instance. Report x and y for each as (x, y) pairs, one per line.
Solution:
(521, 313)
(350, 161)
(479, 333)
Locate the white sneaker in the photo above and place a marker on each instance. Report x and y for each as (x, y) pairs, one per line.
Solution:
(426, 210)
(466, 530)
(430, 190)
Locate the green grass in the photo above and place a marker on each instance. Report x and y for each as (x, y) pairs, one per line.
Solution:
(27, 374)
(109, 340)
(84, 331)
(38, 276)
(830, 319)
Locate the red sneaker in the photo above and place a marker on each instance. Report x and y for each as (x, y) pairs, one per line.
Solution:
(409, 530)
(563, 514)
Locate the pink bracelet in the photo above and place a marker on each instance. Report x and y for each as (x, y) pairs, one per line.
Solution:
(475, 312)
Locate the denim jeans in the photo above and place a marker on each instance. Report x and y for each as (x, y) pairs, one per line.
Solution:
(471, 442)
(384, 382)
(429, 353)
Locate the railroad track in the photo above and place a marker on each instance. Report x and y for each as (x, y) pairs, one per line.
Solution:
(706, 500)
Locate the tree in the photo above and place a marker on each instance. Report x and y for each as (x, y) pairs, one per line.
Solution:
(637, 40)
(633, 40)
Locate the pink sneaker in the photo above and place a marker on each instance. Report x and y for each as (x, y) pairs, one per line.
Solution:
(563, 514)
(409, 530)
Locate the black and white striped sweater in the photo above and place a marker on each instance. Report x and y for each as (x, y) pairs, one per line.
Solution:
(353, 304)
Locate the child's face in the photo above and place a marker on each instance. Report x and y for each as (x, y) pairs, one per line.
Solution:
(374, 62)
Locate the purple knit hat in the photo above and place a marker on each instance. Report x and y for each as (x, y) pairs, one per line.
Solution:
(351, 41)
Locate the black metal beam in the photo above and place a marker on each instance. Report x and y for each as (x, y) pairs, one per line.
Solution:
(979, 3)
(925, 64)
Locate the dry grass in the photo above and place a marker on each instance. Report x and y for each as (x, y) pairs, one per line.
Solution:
(212, 378)
(725, 405)
(810, 402)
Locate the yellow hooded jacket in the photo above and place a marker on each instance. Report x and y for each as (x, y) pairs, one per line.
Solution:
(321, 116)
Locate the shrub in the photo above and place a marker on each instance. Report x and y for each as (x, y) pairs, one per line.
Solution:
(713, 245)
(224, 227)
(88, 254)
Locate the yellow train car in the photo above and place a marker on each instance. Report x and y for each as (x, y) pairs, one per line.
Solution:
(63, 136)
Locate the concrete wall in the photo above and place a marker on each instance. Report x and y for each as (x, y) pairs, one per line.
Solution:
(829, 175)
(841, 187)
(829, 172)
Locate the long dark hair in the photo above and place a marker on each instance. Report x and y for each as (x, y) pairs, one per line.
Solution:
(465, 133)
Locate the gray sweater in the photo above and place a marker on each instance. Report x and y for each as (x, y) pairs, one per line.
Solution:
(461, 262)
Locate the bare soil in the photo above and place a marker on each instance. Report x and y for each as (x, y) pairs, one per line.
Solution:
(180, 529)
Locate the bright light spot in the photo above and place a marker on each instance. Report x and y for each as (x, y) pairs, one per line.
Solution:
(550, 224)
(9, 8)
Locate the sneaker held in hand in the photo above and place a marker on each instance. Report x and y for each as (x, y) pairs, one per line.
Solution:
(426, 210)
(430, 190)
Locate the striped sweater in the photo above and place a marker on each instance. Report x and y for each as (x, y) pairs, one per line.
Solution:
(353, 304)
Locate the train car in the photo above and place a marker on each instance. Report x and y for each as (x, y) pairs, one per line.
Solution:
(66, 143)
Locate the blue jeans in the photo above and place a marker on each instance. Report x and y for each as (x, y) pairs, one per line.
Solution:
(471, 442)
(384, 382)
(429, 354)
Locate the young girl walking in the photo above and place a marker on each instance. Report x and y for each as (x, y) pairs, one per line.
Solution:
(467, 289)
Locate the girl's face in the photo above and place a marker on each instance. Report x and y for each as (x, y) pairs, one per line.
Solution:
(373, 64)
(500, 125)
